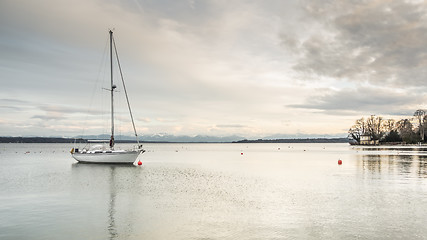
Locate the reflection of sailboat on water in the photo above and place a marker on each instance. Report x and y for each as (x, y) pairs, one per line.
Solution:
(112, 174)
(112, 230)
(100, 153)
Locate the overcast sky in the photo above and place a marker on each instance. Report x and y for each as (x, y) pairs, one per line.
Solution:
(251, 68)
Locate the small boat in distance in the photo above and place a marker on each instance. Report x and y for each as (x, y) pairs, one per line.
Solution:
(103, 153)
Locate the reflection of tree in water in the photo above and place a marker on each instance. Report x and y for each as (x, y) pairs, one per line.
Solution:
(400, 164)
(112, 230)
(422, 166)
(371, 162)
(405, 164)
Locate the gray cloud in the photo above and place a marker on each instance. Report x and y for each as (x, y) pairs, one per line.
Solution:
(363, 100)
(70, 110)
(382, 42)
(48, 117)
(24, 105)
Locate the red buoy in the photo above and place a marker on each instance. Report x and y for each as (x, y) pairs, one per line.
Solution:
(139, 163)
(339, 162)
(241, 153)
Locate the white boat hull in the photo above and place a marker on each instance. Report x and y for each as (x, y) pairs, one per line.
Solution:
(107, 157)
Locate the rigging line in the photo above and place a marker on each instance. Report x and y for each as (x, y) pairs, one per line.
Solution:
(95, 87)
(124, 88)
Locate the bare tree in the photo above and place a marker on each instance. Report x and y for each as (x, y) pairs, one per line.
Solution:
(357, 129)
(389, 125)
(420, 115)
(406, 131)
(374, 127)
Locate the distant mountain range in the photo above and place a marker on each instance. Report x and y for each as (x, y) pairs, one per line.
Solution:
(297, 140)
(166, 138)
(172, 139)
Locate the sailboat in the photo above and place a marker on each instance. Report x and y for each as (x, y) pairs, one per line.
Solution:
(108, 154)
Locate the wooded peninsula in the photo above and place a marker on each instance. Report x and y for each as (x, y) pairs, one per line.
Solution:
(376, 130)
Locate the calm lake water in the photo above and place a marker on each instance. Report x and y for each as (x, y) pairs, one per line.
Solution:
(212, 191)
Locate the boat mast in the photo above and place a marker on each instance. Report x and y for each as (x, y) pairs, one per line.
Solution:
(112, 90)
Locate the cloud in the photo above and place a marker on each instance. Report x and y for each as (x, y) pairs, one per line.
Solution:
(363, 100)
(230, 126)
(24, 105)
(380, 42)
(212, 67)
(145, 120)
(48, 117)
(70, 110)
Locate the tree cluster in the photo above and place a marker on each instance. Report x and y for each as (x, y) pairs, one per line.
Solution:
(408, 130)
